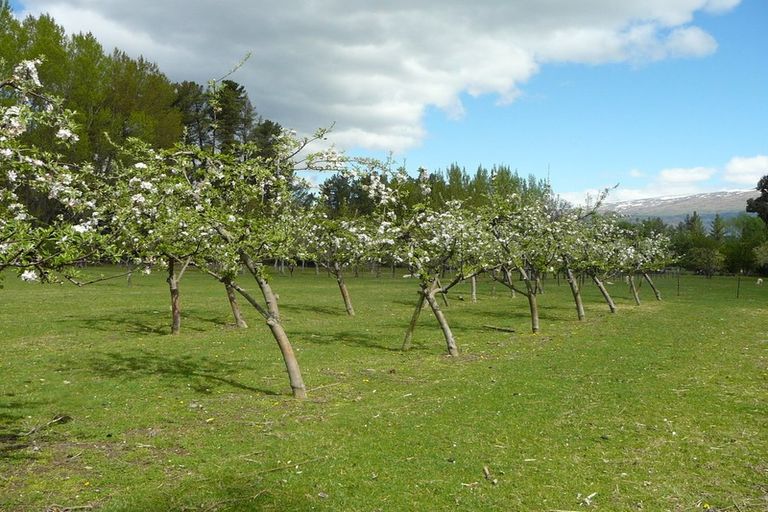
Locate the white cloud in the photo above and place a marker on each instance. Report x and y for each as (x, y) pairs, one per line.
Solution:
(746, 170)
(682, 177)
(374, 68)
(719, 6)
(690, 41)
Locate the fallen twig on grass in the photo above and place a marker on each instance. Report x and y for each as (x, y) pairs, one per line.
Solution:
(503, 329)
(59, 508)
(217, 504)
(289, 466)
(324, 386)
(59, 418)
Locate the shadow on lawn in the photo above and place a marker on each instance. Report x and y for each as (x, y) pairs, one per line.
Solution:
(323, 310)
(11, 438)
(201, 373)
(351, 338)
(150, 321)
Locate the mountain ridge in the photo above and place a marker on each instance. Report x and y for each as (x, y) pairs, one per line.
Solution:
(674, 209)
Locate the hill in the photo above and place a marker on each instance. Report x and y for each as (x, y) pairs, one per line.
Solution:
(674, 209)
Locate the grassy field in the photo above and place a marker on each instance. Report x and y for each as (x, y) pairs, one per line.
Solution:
(658, 407)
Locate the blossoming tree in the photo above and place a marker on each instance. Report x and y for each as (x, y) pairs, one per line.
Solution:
(38, 245)
(334, 244)
(527, 242)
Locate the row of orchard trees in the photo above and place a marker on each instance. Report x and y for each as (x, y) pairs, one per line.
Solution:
(514, 237)
(225, 211)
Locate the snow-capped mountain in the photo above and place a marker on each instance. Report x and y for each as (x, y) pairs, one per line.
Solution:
(674, 209)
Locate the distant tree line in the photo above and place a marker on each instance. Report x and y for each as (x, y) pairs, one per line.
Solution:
(345, 196)
(734, 245)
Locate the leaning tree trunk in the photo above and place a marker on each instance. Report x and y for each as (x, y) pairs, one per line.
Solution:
(656, 291)
(473, 289)
(574, 284)
(604, 291)
(238, 316)
(289, 357)
(443, 294)
(408, 340)
(270, 297)
(633, 287)
(429, 296)
(508, 281)
(173, 284)
(343, 289)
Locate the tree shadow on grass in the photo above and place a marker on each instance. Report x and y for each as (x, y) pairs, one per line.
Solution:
(12, 440)
(351, 338)
(149, 321)
(201, 373)
(130, 323)
(323, 310)
(228, 491)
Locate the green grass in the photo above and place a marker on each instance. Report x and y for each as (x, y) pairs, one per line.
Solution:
(658, 407)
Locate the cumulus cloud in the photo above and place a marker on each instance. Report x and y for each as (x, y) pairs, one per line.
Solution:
(746, 170)
(375, 67)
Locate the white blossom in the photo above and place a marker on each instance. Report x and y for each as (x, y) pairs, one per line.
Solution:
(67, 135)
(29, 275)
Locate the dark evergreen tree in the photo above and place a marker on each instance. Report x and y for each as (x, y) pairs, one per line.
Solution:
(192, 102)
(759, 205)
(232, 115)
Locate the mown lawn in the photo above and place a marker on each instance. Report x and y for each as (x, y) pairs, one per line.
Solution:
(658, 407)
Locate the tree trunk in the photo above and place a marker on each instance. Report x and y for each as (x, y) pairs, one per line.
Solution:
(291, 363)
(533, 305)
(173, 284)
(343, 289)
(429, 295)
(573, 283)
(604, 291)
(407, 341)
(269, 297)
(531, 286)
(508, 278)
(442, 293)
(656, 291)
(239, 320)
(473, 289)
(289, 357)
(634, 289)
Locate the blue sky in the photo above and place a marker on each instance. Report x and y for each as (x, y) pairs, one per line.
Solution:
(592, 126)
(664, 98)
